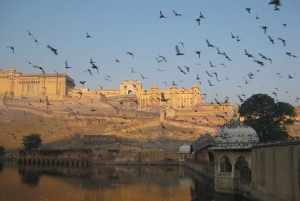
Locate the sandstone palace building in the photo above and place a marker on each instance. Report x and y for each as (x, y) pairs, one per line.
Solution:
(17, 85)
(130, 95)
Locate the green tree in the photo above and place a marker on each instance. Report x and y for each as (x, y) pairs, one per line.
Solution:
(267, 117)
(32, 141)
(2, 150)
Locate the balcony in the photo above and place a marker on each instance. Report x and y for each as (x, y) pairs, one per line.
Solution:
(227, 174)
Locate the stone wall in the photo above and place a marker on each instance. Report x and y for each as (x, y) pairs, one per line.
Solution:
(275, 172)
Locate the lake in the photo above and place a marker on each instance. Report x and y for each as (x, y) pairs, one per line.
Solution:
(105, 183)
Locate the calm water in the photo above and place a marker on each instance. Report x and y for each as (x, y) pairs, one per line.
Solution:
(64, 183)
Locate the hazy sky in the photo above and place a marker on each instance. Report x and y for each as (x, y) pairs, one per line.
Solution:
(118, 27)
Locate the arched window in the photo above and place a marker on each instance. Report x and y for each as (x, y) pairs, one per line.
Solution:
(241, 162)
(225, 165)
(210, 157)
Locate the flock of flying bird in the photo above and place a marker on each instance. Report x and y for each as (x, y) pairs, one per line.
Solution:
(178, 52)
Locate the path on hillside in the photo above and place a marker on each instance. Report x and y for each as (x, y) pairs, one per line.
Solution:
(134, 128)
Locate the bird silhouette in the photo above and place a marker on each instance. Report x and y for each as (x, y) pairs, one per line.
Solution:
(176, 14)
(232, 36)
(82, 82)
(132, 71)
(35, 40)
(275, 2)
(92, 62)
(66, 63)
(52, 49)
(95, 67)
(257, 17)
(39, 68)
(259, 62)
(272, 41)
(181, 70)
(143, 77)
(159, 60)
(249, 55)
(208, 74)
(163, 58)
(264, 28)
(208, 44)
(187, 68)
(238, 39)
(198, 20)
(211, 64)
(12, 48)
(88, 36)
(282, 40)
(29, 33)
(178, 51)
(130, 54)
(201, 16)
(198, 52)
(210, 83)
(88, 71)
(248, 9)
(161, 15)
(263, 57)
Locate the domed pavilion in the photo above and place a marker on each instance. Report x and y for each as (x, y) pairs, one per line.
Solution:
(232, 154)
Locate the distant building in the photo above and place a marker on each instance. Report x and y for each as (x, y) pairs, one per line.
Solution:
(18, 85)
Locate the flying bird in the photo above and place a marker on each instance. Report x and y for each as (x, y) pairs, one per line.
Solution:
(232, 36)
(29, 33)
(259, 62)
(178, 51)
(198, 20)
(208, 74)
(283, 41)
(198, 52)
(161, 15)
(95, 67)
(88, 36)
(35, 40)
(210, 83)
(11, 47)
(66, 63)
(249, 55)
(92, 62)
(264, 28)
(211, 64)
(89, 71)
(143, 77)
(163, 58)
(181, 70)
(208, 44)
(275, 2)
(272, 41)
(82, 82)
(130, 54)
(176, 14)
(39, 68)
(248, 9)
(52, 49)
(201, 16)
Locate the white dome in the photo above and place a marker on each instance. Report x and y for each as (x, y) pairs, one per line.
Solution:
(184, 149)
(235, 135)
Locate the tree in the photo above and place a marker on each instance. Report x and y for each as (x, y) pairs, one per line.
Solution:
(267, 117)
(2, 150)
(32, 141)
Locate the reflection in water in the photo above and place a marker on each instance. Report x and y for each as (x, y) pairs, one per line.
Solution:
(106, 183)
(1, 166)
